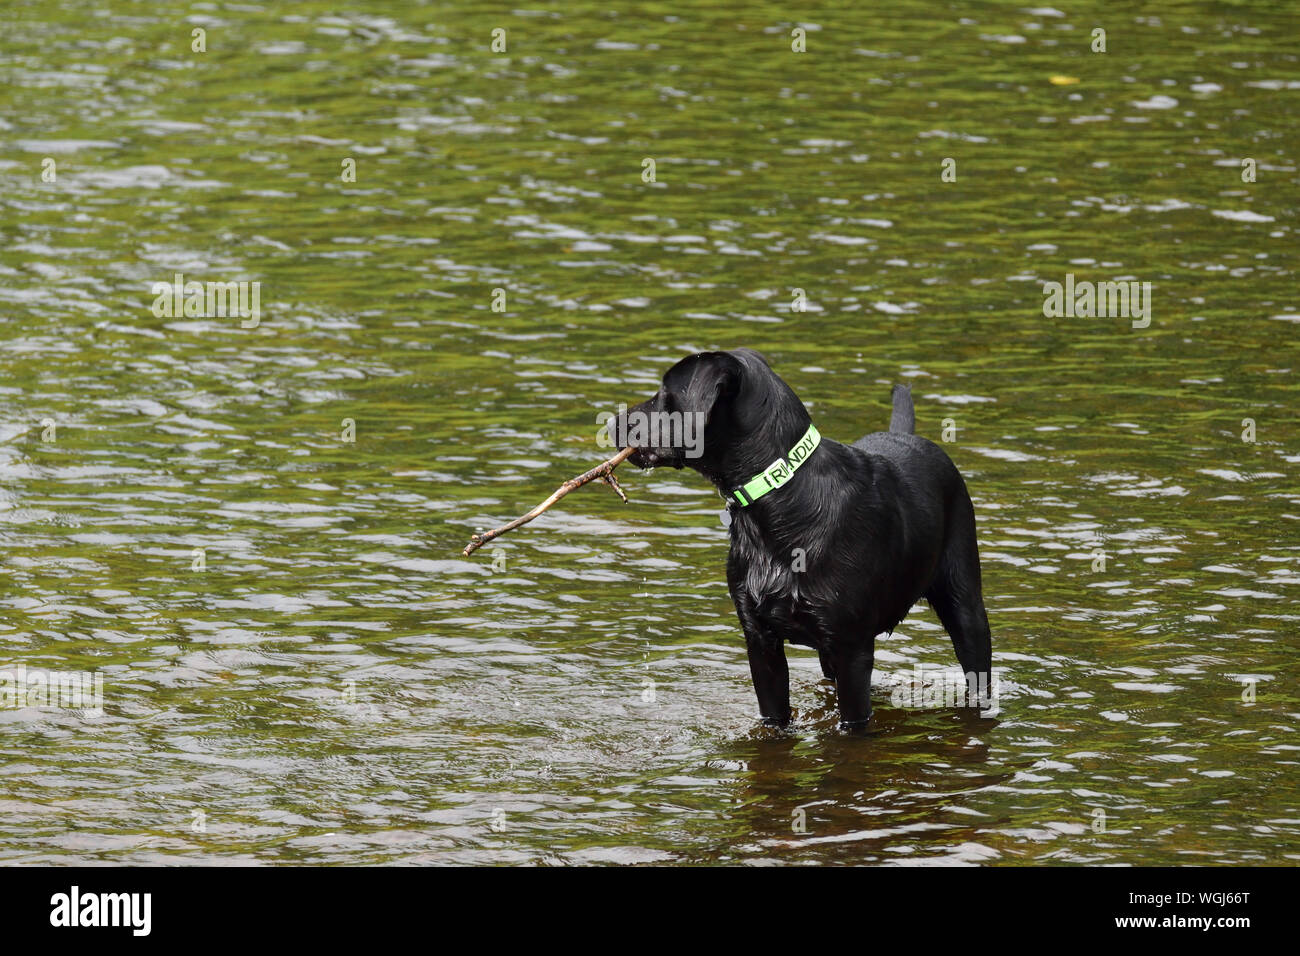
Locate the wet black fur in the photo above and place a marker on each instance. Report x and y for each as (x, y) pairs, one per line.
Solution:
(881, 523)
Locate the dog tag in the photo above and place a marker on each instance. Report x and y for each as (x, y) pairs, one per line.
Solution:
(725, 517)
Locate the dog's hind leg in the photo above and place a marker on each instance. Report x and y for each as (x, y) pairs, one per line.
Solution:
(956, 596)
(961, 609)
(827, 662)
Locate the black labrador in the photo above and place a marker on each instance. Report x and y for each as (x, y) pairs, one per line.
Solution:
(830, 544)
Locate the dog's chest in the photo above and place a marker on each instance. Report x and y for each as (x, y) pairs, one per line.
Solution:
(776, 591)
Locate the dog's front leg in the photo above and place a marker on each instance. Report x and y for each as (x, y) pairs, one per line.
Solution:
(771, 676)
(853, 664)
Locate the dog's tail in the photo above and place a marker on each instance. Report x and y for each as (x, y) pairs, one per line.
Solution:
(903, 420)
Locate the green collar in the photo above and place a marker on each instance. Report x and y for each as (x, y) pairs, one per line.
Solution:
(780, 471)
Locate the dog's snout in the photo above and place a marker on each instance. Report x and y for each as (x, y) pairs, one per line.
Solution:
(624, 433)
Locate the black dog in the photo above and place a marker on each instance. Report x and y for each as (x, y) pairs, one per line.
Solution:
(830, 544)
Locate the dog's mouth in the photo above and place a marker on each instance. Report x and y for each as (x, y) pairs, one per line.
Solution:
(655, 458)
(625, 435)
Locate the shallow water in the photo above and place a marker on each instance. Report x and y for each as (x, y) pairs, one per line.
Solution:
(339, 685)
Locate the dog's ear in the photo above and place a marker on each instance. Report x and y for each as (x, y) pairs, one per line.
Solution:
(699, 383)
(754, 353)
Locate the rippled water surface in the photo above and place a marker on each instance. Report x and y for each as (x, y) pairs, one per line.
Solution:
(339, 685)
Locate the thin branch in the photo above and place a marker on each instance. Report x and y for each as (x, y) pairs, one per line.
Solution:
(603, 471)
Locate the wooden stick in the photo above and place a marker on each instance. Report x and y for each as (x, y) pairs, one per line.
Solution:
(603, 471)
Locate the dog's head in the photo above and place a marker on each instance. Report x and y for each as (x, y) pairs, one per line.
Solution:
(714, 412)
(669, 427)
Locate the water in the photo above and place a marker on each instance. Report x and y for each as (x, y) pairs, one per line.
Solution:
(338, 685)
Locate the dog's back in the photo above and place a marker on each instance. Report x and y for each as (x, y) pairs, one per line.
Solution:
(918, 460)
